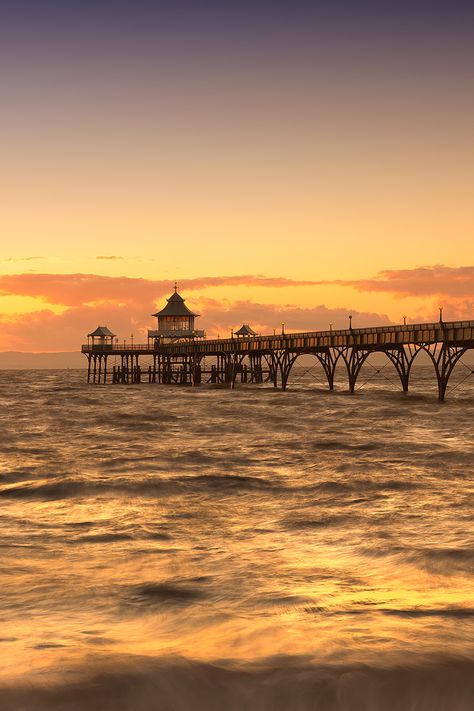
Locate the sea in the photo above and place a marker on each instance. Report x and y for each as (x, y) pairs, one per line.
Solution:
(168, 548)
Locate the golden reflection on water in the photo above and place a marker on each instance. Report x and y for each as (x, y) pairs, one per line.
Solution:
(269, 593)
(339, 554)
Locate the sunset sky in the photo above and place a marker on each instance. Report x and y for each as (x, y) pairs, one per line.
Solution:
(281, 161)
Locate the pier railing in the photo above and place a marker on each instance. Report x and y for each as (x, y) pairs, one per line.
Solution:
(115, 347)
(434, 332)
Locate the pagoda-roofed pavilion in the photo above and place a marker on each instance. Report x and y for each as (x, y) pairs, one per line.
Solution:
(245, 330)
(102, 336)
(175, 321)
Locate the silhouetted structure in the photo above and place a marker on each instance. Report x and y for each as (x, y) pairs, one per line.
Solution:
(245, 331)
(183, 360)
(175, 321)
(102, 336)
(101, 339)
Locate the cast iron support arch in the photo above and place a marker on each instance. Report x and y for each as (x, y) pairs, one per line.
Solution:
(325, 358)
(444, 357)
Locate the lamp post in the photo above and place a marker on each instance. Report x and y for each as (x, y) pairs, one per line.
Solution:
(131, 338)
(330, 328)
(404, 320)
(231, 332)
(282, 329)
(350, 322)
(441, 314)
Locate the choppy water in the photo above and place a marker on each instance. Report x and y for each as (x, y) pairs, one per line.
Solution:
(175, 548)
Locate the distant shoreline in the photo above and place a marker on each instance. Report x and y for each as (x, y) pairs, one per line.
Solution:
(21, 360)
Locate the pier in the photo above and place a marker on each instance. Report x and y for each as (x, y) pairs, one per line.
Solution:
(176, 354)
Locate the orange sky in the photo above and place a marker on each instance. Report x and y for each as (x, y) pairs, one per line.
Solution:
(337, 161)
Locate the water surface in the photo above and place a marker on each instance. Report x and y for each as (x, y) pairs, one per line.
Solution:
(174, 548)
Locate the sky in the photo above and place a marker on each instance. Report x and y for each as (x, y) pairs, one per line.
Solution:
(283, 161)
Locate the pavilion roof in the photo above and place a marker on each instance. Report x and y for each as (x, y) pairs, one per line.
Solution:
(175, 307)
(245, 330)
(102, 331)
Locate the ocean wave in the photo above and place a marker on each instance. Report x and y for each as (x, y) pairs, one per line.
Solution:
(48, 491)
(458, 612)
(441, 561)
(104, 538)
(168, 593)
(137, 486)
(233, 481)
(340, 444)
(357, 484)
(409, 612)
(133, 483)
(281, 684)
(444, 561)
(317, 522)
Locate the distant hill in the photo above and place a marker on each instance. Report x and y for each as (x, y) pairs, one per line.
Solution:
(15, 360)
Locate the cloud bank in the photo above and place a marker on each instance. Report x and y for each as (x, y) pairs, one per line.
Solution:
(437, 280)
(79, 289)
(125, 304)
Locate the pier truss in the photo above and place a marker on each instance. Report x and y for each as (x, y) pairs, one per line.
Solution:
(271, 358)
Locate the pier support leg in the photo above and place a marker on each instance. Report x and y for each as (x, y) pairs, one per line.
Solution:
(196, 373)
(274, 367)
(286, 362)
(442, 385)
(401, 363)
(328, 362)
(354, 363)
(233, 369)
(448, 356)
(228, 371)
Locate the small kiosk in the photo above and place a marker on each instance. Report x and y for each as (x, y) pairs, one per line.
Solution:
(101, 339)
(245, 331)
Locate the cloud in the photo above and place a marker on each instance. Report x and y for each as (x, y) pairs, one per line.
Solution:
(74, 290)
(112, 256)
(80, 289)
(248, 280)
(46, 331)
(22, 259)
(437, 280)
(264, 318)
(125, 304)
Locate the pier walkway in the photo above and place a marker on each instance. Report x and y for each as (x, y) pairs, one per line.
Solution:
(257, 359)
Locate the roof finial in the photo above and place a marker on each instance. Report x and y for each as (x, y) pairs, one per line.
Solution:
(176, 287)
